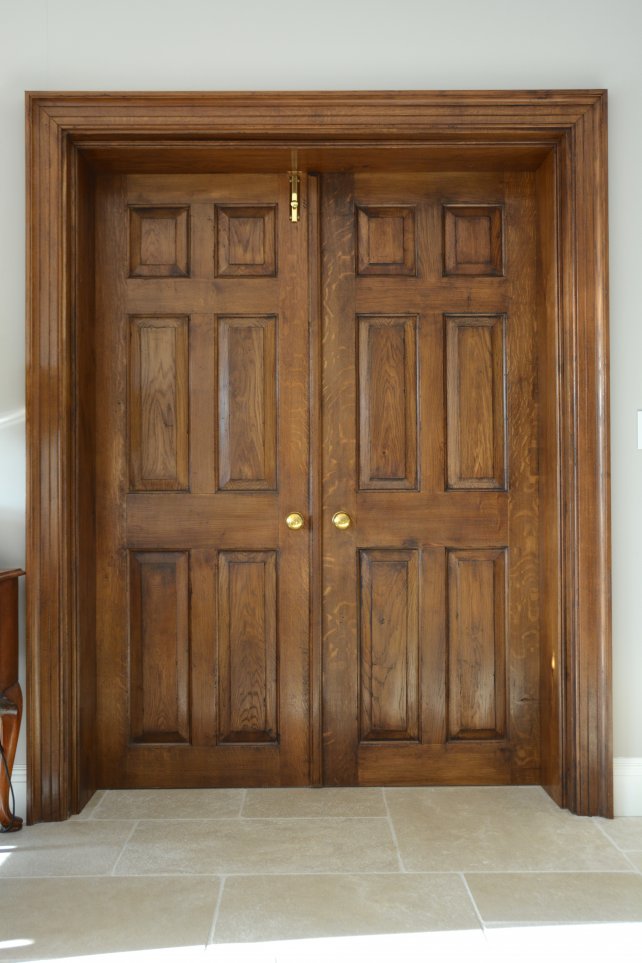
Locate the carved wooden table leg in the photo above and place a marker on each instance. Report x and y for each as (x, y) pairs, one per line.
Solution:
(10, 716)
(10, 693)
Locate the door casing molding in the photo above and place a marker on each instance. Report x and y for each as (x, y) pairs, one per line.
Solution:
(561, 135)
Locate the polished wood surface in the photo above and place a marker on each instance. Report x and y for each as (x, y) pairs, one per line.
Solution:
(423, 405)
(560, 136)
(10, 692)
(202, 452)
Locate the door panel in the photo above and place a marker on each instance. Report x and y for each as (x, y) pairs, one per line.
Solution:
(159, 646)
(389, 644)
(247, 403)
(476, 644)
(247, 647)
(475, 402)
(202, 440)
(158, 404)
(388, 402)
(430, 429)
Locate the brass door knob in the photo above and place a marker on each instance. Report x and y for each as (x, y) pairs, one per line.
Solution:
(295, 521)
(341, 520)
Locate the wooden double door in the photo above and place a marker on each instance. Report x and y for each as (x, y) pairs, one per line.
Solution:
(372, 365)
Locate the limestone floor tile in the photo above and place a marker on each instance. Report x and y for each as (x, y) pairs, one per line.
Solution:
(72, 848)
(557, 897)
(314, 802)
(169, 804)
(479, 799)
(626, 832)
(88, 811)
(253, 846)
(259, 908)
(636, 859)
(68, 917)
(467, 829)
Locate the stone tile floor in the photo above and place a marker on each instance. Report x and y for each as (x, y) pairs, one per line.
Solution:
(309, 874)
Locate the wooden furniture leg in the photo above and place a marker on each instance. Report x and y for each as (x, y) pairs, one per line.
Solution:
(10, 692)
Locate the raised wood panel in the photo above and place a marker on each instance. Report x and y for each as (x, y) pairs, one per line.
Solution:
(158, 404)
(386, 243)
(388, 402)
(476, 401)
(389, 645)
(159, 647)
(473, 239)
(159, 242)
(247, 403)
(245, 241)
(247, 647)
(476, 644)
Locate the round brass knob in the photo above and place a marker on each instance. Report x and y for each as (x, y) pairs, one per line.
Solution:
(341, 520)
(295, 521)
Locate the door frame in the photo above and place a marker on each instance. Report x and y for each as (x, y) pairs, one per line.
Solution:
(560, 135)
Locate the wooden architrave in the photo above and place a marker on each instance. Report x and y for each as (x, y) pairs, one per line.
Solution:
(569, 127)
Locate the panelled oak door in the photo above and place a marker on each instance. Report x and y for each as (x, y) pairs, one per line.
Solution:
(424, 529)
(202, 428)
(430, 448)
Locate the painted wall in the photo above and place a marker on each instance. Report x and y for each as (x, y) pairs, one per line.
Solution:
(343, 44)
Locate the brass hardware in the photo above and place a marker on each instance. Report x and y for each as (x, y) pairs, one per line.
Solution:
(341, 520)
(295, 184)
(295, 521)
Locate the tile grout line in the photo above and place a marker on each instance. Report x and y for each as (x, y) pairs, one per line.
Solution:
(97, 806)
(217, 909)
(393, 832)
(462, 877)
(124, 846)
(623, 852)
(334, 872)
(234, 819)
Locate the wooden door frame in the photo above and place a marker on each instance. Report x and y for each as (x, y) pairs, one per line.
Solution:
(559, 134)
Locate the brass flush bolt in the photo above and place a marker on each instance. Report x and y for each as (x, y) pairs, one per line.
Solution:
(295, 183)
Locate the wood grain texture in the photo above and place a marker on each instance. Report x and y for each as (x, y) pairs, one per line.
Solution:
(112, 621)
(471, 378)
(477, 644)
(476, 414)
(216, 642)
(549, 443)
(340, 612)
(386, 244)
(389, 645)
(473, 240)
(245, 241)
(159, 646)
(247, 647)
(524, 588)
(316, 480)
(159, 242)
(247, 391)
(159, 404)
(388, 408)
(83, 757)
(435, 130)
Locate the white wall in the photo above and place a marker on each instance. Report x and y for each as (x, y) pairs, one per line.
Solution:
(362, 44)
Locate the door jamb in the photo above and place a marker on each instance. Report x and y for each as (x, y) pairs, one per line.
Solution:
(71, 133)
